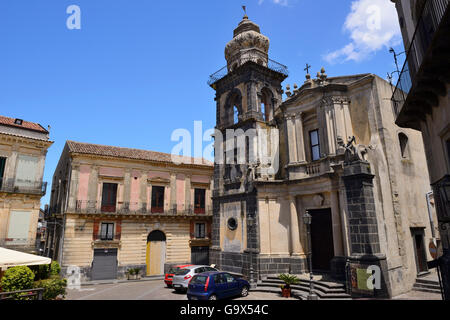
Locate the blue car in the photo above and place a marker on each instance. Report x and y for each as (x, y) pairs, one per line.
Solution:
(216, 285)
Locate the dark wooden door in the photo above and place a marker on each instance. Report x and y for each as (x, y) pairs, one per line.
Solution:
(420, 253)
(321, 239)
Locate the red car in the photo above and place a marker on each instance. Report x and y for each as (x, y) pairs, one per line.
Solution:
(169, 275)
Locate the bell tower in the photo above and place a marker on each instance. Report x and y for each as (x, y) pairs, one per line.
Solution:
(248, 94)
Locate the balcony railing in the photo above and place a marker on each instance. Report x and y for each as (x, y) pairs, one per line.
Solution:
(310, 169)
(271, 64)
(136, 208)
(23, 186)
(429, 21)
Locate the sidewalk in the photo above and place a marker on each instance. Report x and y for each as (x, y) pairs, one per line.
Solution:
(109, 281)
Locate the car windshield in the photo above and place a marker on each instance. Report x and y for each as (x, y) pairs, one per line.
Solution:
(199, 279)
(182, 272)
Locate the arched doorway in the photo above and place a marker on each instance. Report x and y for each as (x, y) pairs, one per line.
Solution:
(156, 253)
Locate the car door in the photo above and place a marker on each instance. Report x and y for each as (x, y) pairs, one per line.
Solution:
(220, 285)
(232, 285)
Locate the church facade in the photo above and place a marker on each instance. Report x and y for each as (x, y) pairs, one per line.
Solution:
(330, 149)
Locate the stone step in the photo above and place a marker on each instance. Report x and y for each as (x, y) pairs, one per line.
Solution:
(326, 284)
(294, 293)
(320, 292)
(428, 286)
(317, 286)
(425, 288)
(427, 281)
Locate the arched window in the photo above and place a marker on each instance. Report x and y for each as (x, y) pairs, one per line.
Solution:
(404, 148)
(235, 114)
(266, 107)
(233, 107)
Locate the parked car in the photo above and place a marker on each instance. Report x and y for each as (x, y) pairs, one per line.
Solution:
(169, 275)
(183, 276)
(216, 285)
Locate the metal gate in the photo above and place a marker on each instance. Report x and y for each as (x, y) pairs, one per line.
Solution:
(104, 265)
(200, 255)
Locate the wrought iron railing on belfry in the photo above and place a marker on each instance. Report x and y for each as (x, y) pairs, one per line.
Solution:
(271, 64)
(432, 13)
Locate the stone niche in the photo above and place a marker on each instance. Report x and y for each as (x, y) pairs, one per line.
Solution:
(232, 227)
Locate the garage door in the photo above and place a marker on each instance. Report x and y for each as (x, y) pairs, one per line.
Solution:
(104, 265)
(200, 255)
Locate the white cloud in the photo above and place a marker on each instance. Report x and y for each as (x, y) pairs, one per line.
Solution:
(373, 25)
(280, 2)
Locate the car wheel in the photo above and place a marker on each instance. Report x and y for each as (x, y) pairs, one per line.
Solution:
(212, 297)
(244, 291)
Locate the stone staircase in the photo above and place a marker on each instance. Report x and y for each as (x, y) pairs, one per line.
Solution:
(428, 283)
(324, 289)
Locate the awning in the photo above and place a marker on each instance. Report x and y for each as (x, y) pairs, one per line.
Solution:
(12, 258)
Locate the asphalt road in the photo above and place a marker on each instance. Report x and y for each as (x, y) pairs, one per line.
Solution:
(143, 290)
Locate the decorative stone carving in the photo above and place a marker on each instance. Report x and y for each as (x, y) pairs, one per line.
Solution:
(353, 151)
(318, 200)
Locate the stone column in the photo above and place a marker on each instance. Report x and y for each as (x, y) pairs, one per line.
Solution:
(294, 232)
(73, 193)
(126, 188)
(173, 190)
(93, 187)
(364, 239)
(187, 193)
(301, 155)
(338, 261)
(290, 123)
(143, 192)
(297, 257)
(330, 126)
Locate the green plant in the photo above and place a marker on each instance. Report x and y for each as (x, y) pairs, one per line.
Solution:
(288, 279)
(41, 271)
(55, 269)
(52, 288)
(137, 270)
(131, 271)
(17, 278)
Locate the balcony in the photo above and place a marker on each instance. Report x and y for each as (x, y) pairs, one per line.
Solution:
(271, 64)
(306, 170)
(136, 208)
(422, 79)
(23, 186)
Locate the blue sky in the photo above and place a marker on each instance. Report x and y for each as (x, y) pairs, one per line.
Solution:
(137, 69)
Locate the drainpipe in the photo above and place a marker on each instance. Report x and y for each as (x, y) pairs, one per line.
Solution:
(433, 232)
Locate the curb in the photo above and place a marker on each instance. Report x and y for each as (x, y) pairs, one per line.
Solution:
(91, 283)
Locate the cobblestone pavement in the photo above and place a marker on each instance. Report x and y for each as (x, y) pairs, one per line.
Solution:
(145, 290)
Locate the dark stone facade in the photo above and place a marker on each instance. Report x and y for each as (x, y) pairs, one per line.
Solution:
(363, 229)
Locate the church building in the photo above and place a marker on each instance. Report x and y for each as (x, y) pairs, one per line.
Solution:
(328, 149)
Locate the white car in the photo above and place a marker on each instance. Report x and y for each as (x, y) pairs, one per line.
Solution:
(184, 275)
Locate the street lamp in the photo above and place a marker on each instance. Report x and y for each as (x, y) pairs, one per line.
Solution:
(307, 219)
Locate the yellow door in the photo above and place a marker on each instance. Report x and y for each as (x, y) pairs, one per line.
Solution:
(155, 257)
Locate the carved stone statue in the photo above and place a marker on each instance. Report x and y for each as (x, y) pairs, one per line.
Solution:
(353, 151)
